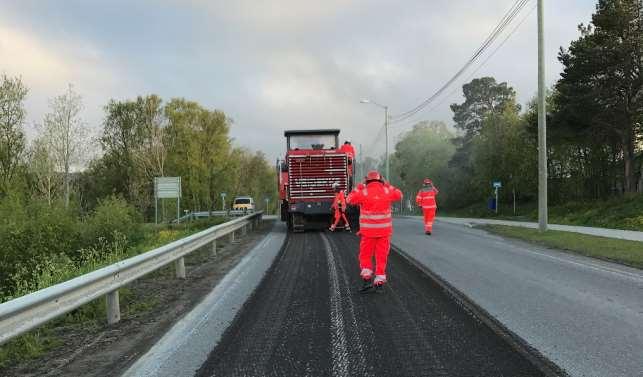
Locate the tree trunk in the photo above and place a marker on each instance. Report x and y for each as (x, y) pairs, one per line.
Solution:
(628, 162)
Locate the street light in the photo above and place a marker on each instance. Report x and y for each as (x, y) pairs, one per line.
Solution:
(385, 129)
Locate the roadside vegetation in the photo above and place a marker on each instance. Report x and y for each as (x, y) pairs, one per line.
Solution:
(625, 252)
(615, 213)
(594, 133)
(76, 197)
(119, 237)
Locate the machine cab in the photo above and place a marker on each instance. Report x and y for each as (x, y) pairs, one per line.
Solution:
(312, 140)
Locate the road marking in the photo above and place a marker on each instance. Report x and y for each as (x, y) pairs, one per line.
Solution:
(339, 351)
(593, 266)
(590, 265)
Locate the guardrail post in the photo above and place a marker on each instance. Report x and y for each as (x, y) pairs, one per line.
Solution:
(113, 307)
(232, 237)
(214, 247)
(244, 230)
(180, 268)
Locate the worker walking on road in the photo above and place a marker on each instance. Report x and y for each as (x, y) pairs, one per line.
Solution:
(339, 208)
(426, 199)
(376, 227)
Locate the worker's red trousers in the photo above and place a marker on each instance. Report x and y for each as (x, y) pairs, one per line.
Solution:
(374, 246)
(338, 216)
(429, 217)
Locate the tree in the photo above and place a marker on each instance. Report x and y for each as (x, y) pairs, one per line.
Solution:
(505, 151)
(423, 152)
(12, 138)
(66, 134)
(46, 180)
(482, 96)
(601, 87)
(152, 152)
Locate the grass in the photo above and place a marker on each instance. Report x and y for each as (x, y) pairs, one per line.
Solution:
(91, 315)
(618, 213)
(629, 253)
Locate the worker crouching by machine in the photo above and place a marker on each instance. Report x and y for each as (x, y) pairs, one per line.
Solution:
(339, 208)
(426, 200)
(376, 227)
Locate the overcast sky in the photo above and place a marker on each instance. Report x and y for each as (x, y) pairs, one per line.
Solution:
(272, 65)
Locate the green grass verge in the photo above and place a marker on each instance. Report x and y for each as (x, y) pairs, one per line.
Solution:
(90, 316)
(620, 251)
(618, 213)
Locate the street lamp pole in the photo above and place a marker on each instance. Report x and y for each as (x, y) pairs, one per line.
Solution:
(388, 177)
(542, 124)
(385, 131)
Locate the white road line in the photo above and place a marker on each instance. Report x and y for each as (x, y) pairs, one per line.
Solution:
(339, 351)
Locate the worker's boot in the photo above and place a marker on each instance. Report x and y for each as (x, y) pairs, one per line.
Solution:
(378, 285)
(367, 286)
(332, 228)
(348, 228)
(367, 280)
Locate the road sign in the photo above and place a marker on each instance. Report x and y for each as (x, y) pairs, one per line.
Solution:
(497, 184)
(167, 187)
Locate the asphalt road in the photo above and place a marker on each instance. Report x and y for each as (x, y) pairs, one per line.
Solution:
(583, 314)
(307, 318)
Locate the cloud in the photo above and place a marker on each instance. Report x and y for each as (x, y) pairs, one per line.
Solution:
(48, 66)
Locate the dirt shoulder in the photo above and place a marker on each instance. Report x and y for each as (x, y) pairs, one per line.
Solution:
(154, 303)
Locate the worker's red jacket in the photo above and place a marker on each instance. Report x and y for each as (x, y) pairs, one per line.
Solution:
(339, 202)
(375, 200)
(348, 149)
(426, 198)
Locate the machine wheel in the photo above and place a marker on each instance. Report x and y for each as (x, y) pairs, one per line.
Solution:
(289, 220)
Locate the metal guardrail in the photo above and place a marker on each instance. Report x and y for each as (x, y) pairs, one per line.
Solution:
(32, 310)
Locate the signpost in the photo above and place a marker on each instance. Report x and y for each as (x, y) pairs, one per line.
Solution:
(496, 186)
(167, 188)
(223, 194)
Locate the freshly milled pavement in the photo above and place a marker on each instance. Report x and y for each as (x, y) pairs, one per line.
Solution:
(307, 318)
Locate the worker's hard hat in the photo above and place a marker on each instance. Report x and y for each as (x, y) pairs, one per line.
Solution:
(335, 185)
(347, 142)
(427, 181)
(373, 175)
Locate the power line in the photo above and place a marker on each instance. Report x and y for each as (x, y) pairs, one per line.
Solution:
(515, 29)
(506, 20)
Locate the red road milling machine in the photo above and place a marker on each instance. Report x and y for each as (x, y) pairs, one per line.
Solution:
(313, 163)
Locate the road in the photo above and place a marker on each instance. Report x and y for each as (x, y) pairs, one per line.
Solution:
(307, 318)
(583, 314)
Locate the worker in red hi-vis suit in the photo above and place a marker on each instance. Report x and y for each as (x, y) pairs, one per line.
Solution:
(339, 208)
(426, 199)
(349, 149)
(376, 227)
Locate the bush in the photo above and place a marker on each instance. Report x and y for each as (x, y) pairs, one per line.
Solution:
(112, 218)
(31, 237)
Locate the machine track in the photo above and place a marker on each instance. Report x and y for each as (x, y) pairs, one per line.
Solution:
(308, 319)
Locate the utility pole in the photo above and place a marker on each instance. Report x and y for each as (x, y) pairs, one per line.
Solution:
(542, 123)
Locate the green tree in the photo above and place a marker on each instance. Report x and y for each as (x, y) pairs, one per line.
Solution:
(601, 84)
(505, 151)
(12, 138)
(423, 152)
(482, 96)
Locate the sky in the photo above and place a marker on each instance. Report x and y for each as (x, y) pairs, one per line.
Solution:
(275, 65)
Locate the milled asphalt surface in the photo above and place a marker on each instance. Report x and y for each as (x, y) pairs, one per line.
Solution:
(307, 318)
(630, 235)
(184, 348)
(583, 314)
